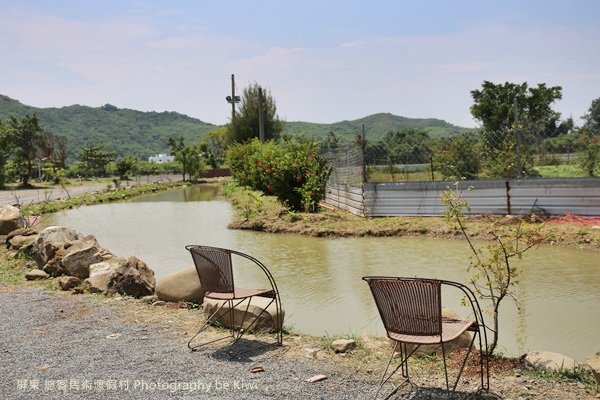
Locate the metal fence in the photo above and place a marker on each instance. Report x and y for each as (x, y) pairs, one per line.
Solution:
(413, 156)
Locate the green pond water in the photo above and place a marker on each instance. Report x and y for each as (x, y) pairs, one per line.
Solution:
(320, 278)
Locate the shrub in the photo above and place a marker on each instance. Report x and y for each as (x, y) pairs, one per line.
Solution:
(293, 171)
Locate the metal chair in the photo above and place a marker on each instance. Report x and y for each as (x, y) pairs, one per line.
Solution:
(215, 270)
(411, 311)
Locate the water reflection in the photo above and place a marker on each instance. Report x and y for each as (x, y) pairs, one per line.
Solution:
(320, 278)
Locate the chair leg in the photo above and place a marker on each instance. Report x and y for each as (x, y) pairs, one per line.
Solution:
(243, 330)
(404, 356)
(209, 320)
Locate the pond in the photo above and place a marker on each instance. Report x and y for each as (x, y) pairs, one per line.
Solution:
(320, 278)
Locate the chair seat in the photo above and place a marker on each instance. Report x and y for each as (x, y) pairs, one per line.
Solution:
(239, 293)
(451, 329)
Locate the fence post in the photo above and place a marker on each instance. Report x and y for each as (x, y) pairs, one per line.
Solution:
(518, 137)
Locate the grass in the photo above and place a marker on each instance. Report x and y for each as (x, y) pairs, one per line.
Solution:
(578, 374)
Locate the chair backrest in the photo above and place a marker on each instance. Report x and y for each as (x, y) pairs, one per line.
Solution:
(408, 306)
(214, 268)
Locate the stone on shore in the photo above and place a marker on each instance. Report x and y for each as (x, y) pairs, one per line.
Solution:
(549, 361)
(44, 247)
(594, 363)
(266, 322)
(343, 345)
(124, 276)
(182, 285)
(35, 274)
(10, 219)
(77, 258)
(68, 282)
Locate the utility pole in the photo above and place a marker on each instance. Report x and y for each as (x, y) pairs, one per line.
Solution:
(233, 98)
(518, 137)
(261, 117)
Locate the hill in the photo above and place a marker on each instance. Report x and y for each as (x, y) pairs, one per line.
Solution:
(122, 130)
(376, 126)
(145, 133)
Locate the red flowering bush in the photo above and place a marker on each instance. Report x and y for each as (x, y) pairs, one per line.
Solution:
(293, 171)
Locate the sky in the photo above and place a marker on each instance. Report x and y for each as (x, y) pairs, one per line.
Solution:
(323, 61)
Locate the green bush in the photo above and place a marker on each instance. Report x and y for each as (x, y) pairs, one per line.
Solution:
(293, 171)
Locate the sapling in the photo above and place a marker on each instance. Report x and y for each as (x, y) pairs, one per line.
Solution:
(493, 276)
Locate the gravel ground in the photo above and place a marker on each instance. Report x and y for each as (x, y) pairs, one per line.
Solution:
(76, 349)
(73, 347)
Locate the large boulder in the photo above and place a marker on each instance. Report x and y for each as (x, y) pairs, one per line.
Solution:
(10, 219)
(119, 275)
(266, 322)
(44, 247)
(80, 255)
(549, 361)
(182, 285)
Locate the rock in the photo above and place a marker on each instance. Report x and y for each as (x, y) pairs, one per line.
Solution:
(343, 345)
(36, 274)
(77, 258)
(124, 276)
(266, 322)
(546, 360)
(183, 285)
(594, 363)
(10, 219)
(68, 282)
(44, 246)
(20, 238)
(149, 299)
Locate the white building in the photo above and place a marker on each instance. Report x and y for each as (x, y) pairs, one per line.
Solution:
(161, 158)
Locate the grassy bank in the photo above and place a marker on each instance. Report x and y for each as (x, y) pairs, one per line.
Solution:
(263, 213)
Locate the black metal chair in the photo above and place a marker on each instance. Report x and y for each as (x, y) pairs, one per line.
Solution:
(215, 270)
(411, 311)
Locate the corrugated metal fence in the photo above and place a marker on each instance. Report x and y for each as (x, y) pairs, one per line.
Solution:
(497, 197)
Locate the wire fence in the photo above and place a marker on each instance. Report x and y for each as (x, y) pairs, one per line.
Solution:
(412, 155)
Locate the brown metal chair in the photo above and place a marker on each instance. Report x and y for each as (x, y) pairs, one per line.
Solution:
(411, 311)
(215, 270)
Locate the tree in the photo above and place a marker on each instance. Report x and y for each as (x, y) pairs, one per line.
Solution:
(26, 140)
(494, 274)
(592, 118)
(494, 109)
(187, 155)
(244, 124)
(589, 139)
(95, 159)
(126, 165)
(4, 152)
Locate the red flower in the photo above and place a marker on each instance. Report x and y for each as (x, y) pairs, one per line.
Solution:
(298, 179)
(307, 172)
(258, 162)
(270, 188)
(310, 151)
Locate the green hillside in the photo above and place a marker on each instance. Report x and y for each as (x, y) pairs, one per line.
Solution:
(122, 130)
(145, 133)
(376, 126)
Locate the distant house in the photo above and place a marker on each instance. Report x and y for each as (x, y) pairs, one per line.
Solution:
(161, 158)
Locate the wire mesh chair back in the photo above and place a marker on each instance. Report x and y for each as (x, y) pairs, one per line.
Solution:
(409, 306)
(215, 269)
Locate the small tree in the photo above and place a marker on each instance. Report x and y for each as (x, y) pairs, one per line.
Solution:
(26, 139)
(4, 152)
(95, 159)
(245, 123)
(494, 277)
(188, 156)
